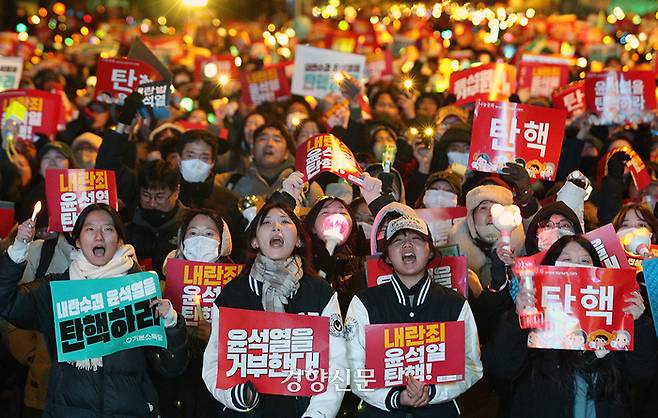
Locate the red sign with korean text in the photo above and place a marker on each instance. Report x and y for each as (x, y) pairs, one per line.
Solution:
(582, 308)
(212, 68)
(6, 218)
(510, 132)
(571, 98)
(193, 286)
(42, 111)
(433, 353)
(281, 354)
(68, 192)
(323, 153)
(268, 85)
(617, 96)
(448, 271)
(607, 246)
(440, 221)
(494, 81)
(379, 64)
(118, 77)
(541, 75)
(636, 167)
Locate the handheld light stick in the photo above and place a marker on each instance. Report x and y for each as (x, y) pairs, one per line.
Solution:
(637, 241)
(335, 230)
(530, 316)
(36, 210)
(249, 207)
(506, 219)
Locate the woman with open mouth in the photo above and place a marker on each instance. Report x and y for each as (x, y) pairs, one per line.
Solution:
(278, 277)
(112, 385)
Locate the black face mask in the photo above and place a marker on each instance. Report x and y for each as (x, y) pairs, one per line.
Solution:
(154, 217)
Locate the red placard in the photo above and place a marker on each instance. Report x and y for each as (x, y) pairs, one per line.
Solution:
(211, 68)
(508, 132)
(494, 81)
(639, 172)
(327, 153)
(273, 351)
(582, 308)
(192, 283)
(6, 218)
(379, 64)
(448, 271)
(606, 243)
(431, 352)
(571, 98)
(42, 111)
(541, 75)
(118, 77)
(268, 85)
(68, 192)
(617, 96)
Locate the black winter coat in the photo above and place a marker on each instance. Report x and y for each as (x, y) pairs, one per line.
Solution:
(121, 388)
(542, 381)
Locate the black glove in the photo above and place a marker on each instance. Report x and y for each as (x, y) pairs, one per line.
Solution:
(617, 163)
(517, 176)
(130, 107)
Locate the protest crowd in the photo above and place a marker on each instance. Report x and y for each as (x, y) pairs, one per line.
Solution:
(427, 210)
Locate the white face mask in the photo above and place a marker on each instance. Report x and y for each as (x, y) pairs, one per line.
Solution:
(570, 264)
(195, 171)
(200, 248)
(455, 157)
(367, 228)
(547, 237)
(439, 199)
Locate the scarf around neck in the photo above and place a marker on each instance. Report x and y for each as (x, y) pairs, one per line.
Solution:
(280, 280)
(82, 269)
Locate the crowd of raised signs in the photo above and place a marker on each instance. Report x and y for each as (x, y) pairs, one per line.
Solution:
(352, 232)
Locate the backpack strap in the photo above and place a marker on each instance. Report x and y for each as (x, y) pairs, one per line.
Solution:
(47, 252)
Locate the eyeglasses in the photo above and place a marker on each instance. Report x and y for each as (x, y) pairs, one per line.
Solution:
(560, 225)
(156, 197)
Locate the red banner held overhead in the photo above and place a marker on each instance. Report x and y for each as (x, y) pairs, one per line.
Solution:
(571, 98)
(379, 64)
(582, 308)
(511, 132)
(494, 81)
(192, 284)
(448, 271)
(540, 75)
(617, 96)
(605, 242)
(118, 77)
(639, 172)
(431, 352)
(40, 111)
(281, 354)
(68, 192)
(323, 153)
(268, 85)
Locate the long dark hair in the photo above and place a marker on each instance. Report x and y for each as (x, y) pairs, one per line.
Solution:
(556, 249)
(608, 382)
(116, 220)
(643, 212)
(303, 251)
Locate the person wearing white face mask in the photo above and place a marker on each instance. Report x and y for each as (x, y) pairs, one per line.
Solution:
(200, 187)
(204, 237)
(550, 224)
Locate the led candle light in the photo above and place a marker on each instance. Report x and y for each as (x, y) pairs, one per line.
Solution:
(335, 230)
(36, 210)
(506, 219)
(388, 157)
(637, 241)
(249, 207)
(530, 316)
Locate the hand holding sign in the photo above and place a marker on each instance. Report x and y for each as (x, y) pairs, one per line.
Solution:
(416, 394)
(294, 184)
